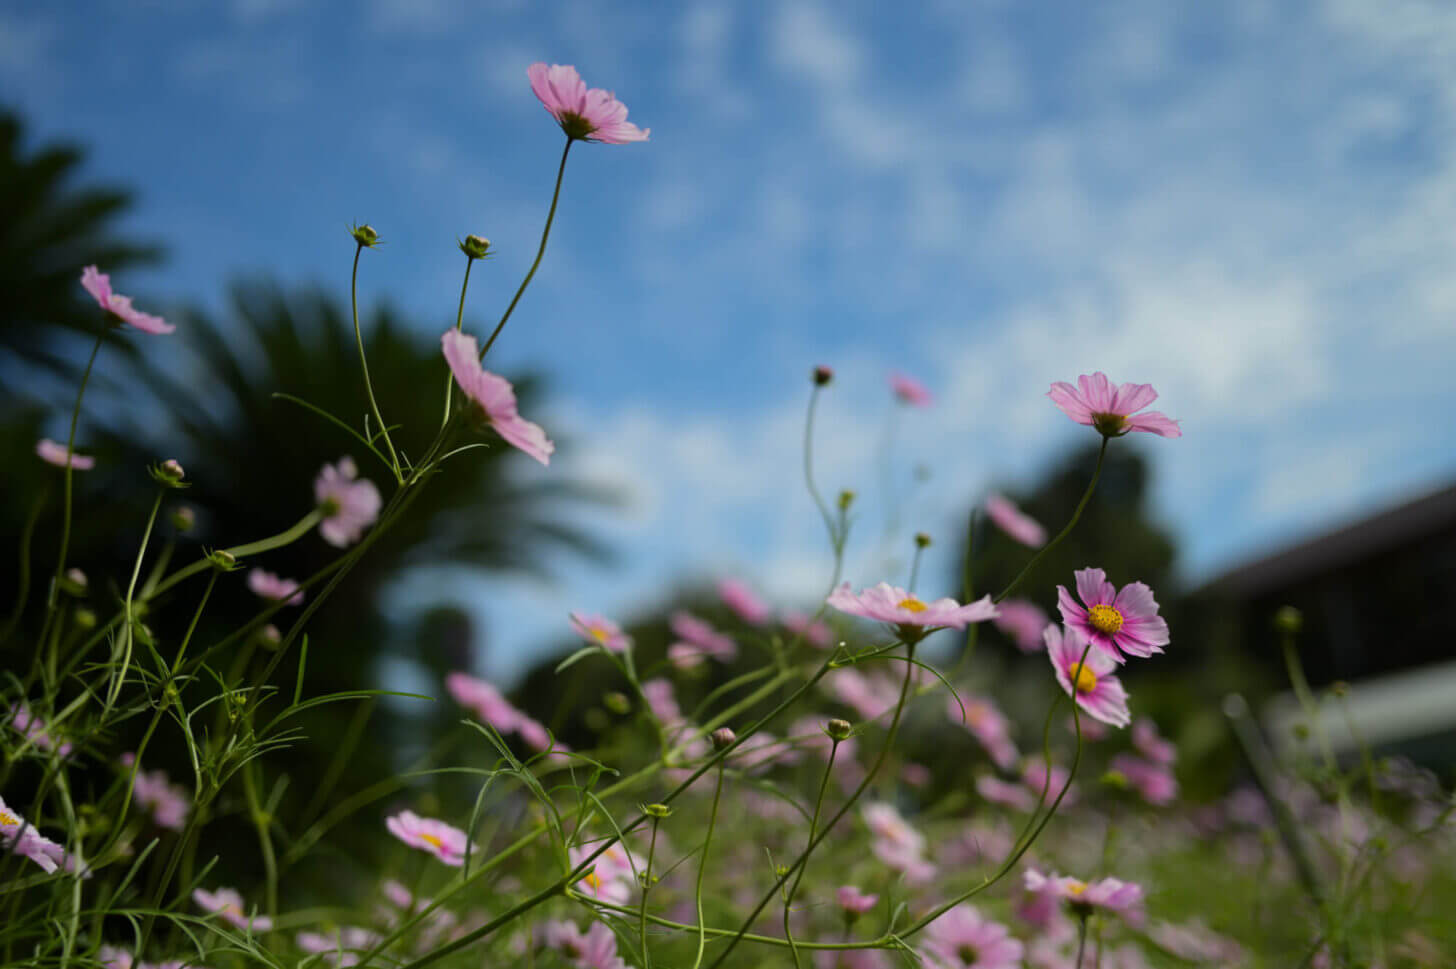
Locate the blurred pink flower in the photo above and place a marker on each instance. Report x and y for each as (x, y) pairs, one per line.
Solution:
(98, 284)
(596, 948)
(743, 601)
(963, 939)
(1096, 403)
(1034, 776)
(1023, 621)
(229, 904)
(495, 396)
(868, 695)
(21, 838)
(910, 391)
(761, 751)
(1154, 782)
(612, 874)
(53, 453)
(697, 638)
(490, 707)
(266, 585)
(896, 843)
(815, 633)
(585, 114)
(987, 723)
(154, 791)
(1122, 623)
(658, 693)
(33, 728)
(1087, 681)
(446, 842)
(1014, 522)
(1005, 793)
(1152, 746)
(349, 504)
(851, 959)
(600, 631)
(1111, 894)
(1091, 729)
(853, 900)
(894, 605)
(111, 957)
(341, 947)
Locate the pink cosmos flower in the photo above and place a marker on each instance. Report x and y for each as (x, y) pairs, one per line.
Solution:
(1096, 403)
(495, 396)
(1154, 782)
(53, 453)
(1010, 795)
(600, 631)
(761, 751)
(596, 948)
(153, 790)
(266, 585)
(987, 723)
(489, 706)
(442, 840)
(1091, 729)
(1122, 623)
(229, 904)
(1089, 682)
(910, 391)
(869, 695)
(743, 601)
(1034, 775)
(1014, 522)
(341, 947)
(894, 605)
(111, 957)
(349, 505)
(98, 284)
(585, 114)
(697, 638)
(1023, 621)
(851, 959)
(659, 694)
(896, 843)
(801, 624)
(21, 838)
(1196, 942)
(1152, 746)
(963, 939)
(1111, 894)
(611, 877)
(33, 728)
(854, 901)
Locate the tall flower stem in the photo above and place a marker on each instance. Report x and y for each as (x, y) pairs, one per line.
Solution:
(1066, 530)
(459, 321)
(364, 363)
(66, 502)
(545, 234)
(703, 866)
(128, 631)
(647, 887)
(813, 826)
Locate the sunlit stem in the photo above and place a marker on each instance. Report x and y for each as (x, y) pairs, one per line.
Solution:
(813, 828)
(703, 866)
(1067, 530)
(646, 887)
(545, 234)
(459, 321)
(129, 617)
(364, 363)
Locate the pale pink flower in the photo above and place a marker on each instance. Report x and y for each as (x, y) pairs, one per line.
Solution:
(987, 723)
(612, 874)
(659, 694)
(916, 775)
(851, 959)
(963, 939)
(21, 838)
(869, 695)
(1111, 894)
(1122, 623)
(111, 957)
(1154, 782)
(349, 504)
(1088, 681)
(894, 605)
(1014, 522)
(815, 633)
(600, 631)
(34, 729)
(1091, 729)
(1034, 775)
(1096, 403)
(341, 947)
(896, 842)
(852, 900)
(743, 601)
(98, 284)
(229, 904)
(1196, 942)
(490, 707)
(1023, 621)
(696, 637)
(1155, 748)
(761, 751)
(910, 391)
(153, 790)
(1005, 793)
(586, 114)
(266, 585)
(495, 396)
(446, 842)
(596, 948)
(53, 453)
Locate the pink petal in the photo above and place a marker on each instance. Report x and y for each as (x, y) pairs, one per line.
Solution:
(1097, 391)
(1132, 397)
(1154, 422)
(1065, 396)
(1094, 589)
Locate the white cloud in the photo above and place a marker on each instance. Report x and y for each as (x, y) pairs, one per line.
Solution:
(807, 41)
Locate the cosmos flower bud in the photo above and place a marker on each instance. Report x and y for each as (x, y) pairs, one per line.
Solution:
(475, 247)
(617, 702)
(922, 540)
(223, 559)
(846, 498)
(1288, 620)
(269, 637)
(74, 582)
(85, 618)
(364, 235)
(183, 518)
(723, 738)
(657, 810)
(837, 729)
(822, 375)
(1340, 688)
(169, 474)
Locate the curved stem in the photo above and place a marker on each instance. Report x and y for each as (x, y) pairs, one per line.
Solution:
(813, 825)
(1076, 517)
(70, 460)
(364, 363)
(703, 866)
(459, 321)
(287, 537)
(545, 234)
(128, 630)
(646, 887)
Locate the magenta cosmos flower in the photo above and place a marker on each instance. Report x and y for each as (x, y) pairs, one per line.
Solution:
(743, 601)
(854, 901)
(697, 639)
(596, 948)
(53, 453)
(1150, 744)
(20, 837)
(489, 706)
(910, 391)
(98, 284)
(1154, 782)
(897, 843)
(1122, 623)
(1111, 894)
(612, 873)
(600, 631)
(963, 939)
(1023, 621)
(495, 396)
(266, 585)
(34, 729)
(1014, 522)
(442, 840)
(585, 114)
(815, 633)
(1096, 403)
(153, 790)
(1088, 681)
(893, 605)
(228, 904)
(349, 505)
(987, 723)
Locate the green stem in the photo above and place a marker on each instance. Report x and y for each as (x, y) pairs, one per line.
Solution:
(459, 321)
(809, 468)
(703, 865)
(23, 591)
(813, 825)
(70, 460)
(1076, 517)
(545, 234)
(364, 363)
(1081, 940)
(288, 537)
(646, 887)
(128, 630)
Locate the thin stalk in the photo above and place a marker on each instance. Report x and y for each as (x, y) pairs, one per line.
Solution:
(1067, 530)
(286, 537)
(128, 630)
(703, 865)
(364, 363)
(459, 321)
(809, 468)
(1081, 940)
(813, 826)
(23, 591)
(545, 234)
(646, 887)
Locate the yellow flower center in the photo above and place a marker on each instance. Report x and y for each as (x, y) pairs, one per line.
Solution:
(600, 635)
(1076, 887)
(594, 880)
(1086, 679)
(9, 820)
(431, 840)
(912, 604)
(1105, 619)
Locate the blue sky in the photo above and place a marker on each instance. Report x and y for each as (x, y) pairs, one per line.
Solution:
(1250, 205)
